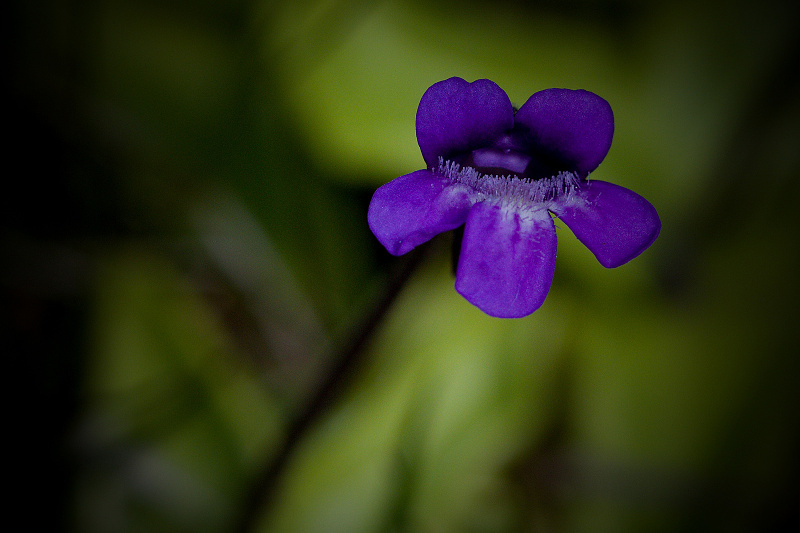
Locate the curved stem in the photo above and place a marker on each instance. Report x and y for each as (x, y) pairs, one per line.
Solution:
(261, 493)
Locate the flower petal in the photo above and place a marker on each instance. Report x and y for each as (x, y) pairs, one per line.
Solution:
(412, 209)
(573, 127)
(614, 223)
(507, 259)
(455, 116)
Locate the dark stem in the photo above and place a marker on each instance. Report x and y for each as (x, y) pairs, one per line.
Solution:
(260, 495)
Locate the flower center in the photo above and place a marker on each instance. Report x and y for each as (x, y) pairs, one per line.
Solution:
(499, 161)
(510, 188)
(511, 154)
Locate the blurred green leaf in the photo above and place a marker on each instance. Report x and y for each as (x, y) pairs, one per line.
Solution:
(167, 384)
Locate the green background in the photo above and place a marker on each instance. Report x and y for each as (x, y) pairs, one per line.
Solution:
(187, 262)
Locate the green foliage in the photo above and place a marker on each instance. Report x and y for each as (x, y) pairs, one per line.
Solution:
(210, 164)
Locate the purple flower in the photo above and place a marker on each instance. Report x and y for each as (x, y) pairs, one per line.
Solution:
(502, 172)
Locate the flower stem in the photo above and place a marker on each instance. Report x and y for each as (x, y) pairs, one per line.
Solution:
(261, 494)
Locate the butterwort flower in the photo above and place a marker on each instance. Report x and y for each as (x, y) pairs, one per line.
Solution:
(501, 172)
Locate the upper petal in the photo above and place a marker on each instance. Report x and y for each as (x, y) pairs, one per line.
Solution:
(572, 126)
(507, 259)
(614, 223)
(412, 209)
(455, 116)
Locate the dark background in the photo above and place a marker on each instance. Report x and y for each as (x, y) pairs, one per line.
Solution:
(203, 335)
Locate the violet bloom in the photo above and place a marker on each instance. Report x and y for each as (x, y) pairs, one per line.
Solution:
(502, 172)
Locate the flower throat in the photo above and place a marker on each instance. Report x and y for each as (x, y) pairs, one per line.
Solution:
(510, 187)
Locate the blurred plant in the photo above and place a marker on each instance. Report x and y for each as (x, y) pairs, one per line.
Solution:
(215, 339)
